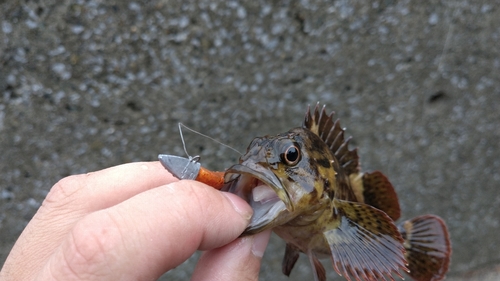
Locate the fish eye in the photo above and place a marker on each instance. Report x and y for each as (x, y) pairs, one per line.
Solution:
(291, 155)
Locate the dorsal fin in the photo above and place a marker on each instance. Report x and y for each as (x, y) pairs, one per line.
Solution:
(379, 193)
(322, 124)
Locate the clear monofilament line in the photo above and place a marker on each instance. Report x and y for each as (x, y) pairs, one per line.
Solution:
(197, 157)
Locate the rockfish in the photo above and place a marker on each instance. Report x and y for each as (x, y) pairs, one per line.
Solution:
(307, 186)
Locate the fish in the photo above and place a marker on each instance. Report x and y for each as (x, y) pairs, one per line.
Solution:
(307, 186)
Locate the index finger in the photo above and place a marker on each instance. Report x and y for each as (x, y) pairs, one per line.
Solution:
(102, 189)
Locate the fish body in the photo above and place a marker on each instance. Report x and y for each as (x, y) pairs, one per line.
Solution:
(307, 186)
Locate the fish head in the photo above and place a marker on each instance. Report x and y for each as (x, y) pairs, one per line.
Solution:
(282, 177)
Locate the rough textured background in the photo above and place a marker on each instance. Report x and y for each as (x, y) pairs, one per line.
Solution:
(91, 84)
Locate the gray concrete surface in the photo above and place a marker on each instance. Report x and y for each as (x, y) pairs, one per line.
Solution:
(91, 84)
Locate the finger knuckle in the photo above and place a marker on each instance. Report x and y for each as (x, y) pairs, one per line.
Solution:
(64, 190)
(206, 203)
(198, 197)
(93, 246)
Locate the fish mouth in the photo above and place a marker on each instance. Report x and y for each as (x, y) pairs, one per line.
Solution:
(262, 190)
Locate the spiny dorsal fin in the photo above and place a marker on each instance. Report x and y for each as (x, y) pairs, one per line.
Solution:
(428, 247)
(379, 193)
(322, 124)
(364, 242)
(290, 258)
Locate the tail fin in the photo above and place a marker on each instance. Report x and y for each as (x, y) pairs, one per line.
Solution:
(428, 248)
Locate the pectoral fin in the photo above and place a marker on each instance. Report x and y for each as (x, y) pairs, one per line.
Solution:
(428, 247)
(364, 242)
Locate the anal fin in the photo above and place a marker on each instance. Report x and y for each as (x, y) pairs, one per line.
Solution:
(364, 242)
(379, 193)
(318, 269)
(428, 247)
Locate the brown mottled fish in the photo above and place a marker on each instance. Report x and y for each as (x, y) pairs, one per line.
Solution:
(306, 185)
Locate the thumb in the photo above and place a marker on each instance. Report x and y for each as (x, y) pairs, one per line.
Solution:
(239, 260)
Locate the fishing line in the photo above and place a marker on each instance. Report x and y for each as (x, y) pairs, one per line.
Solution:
(197, 157)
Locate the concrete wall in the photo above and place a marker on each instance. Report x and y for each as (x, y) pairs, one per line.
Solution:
(91, 84)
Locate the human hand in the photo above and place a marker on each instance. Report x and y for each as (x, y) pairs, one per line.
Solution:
(135, 222)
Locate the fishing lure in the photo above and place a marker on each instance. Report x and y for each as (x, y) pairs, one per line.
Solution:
(307, 186)
(191, 169)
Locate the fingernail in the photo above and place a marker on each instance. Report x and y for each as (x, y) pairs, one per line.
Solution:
(260, 241)
(240, 205)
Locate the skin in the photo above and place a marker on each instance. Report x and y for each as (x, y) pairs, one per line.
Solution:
(135, 222)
